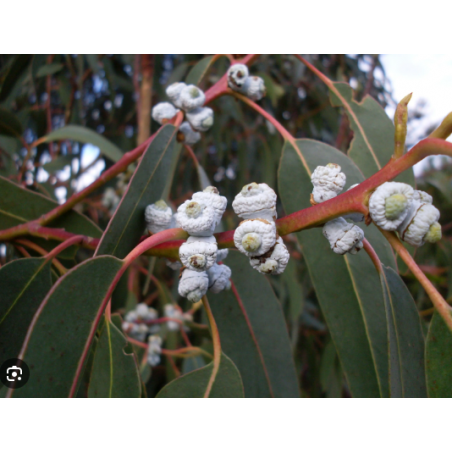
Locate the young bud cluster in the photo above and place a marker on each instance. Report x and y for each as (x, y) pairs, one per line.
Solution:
(256, 236)
(344, 237)
(136, 322)
(239, 80)
(396, 206)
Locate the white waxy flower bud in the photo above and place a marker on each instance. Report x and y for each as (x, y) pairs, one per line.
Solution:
(211, 196)
(154, 350)
(274, 261)
(255, 237)
(131, 316)
(110, 198)
(328, 181)
(199, 253)
(158, 217)
(137, 331)
(389, 204)
(343, 237)
(255, 201)
(145, 313)
(163, 112)
(421, 224)
(191, 97)
(356, 217)
(237, 75)
(172, 312)
(201, 119)
(254, 88)
(173, 92)
(189, 136)
(197, 218)
(219, 278)
(422, 197)
(222, 254)
(193, 285)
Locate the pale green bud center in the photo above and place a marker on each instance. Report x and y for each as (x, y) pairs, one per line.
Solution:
(251, 242)
(197, 261)
(211, 189)
(249, 187)
(395, 205)
(193, 209)
(194, 92)
(208, 122)
(269, 266)
(161, 205)
(434, 233)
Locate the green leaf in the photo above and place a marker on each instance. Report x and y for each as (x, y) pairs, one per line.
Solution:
(227, 384)
(19, 205)
(406, 342)
(84, 135)
(24, 283)
(198, 71)
(58, 164)
(253, 332)
(330, 372)
(63, 330)
(146, 186)
(10, 145)
(439, 358)
(17, 68)
(9, 123)
(114, 373)
(348, 287)
(373, 142)
(49, 69)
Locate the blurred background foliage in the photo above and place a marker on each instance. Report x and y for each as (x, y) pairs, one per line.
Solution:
(43, 93)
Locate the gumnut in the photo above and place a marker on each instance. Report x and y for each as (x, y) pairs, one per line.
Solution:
(328, 182)
(343, 237)
(158, 217)
(193, 285)
(256, 201)
(255, 237)
(199, 253)
(187, 134)
(200, 119)
(274, 261)
(219, 278)
(237, 75)
(163, 112)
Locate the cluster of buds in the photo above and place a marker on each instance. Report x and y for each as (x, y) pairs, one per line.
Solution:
(190, 99)
(344, 237)
(239, 80)
(136, 322)
(199, 217)
(395, 206)
(176, 318)
(256, 236)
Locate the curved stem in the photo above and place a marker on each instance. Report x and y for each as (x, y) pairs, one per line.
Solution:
(438, 301)
(216, 346)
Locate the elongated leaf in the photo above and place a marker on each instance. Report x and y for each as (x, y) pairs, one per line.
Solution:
(49, 69)
(84, 135)
(61, 332)
(9, 123)
(24, 284)
(253, 332)
(19, 205)
(114, 373)
(406, 342)
(199, 70)
(146, 186)
(439, 358)
(373, 142)
(348, 287)
(227, 384)
(17, 68)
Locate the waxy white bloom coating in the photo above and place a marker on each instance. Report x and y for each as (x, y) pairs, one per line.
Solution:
(172, 312)
(193, 285)
(219, 278)
(201, 119)
(222, 254)
(144, 312)
(389, 204)
(137, 331)
(163, 112)
(211, 196)
(274, 262)
(421, 196)
(199, 253)
(154, 350)
(173, 92)
(191, 97)
(328, 181)
(110, 199)
(254, 88)
(255, 237)
(255, 201)
(343, 237)
(197, 218)
(421, 224)
(237, 76)
(158, 217)
(190, 135)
